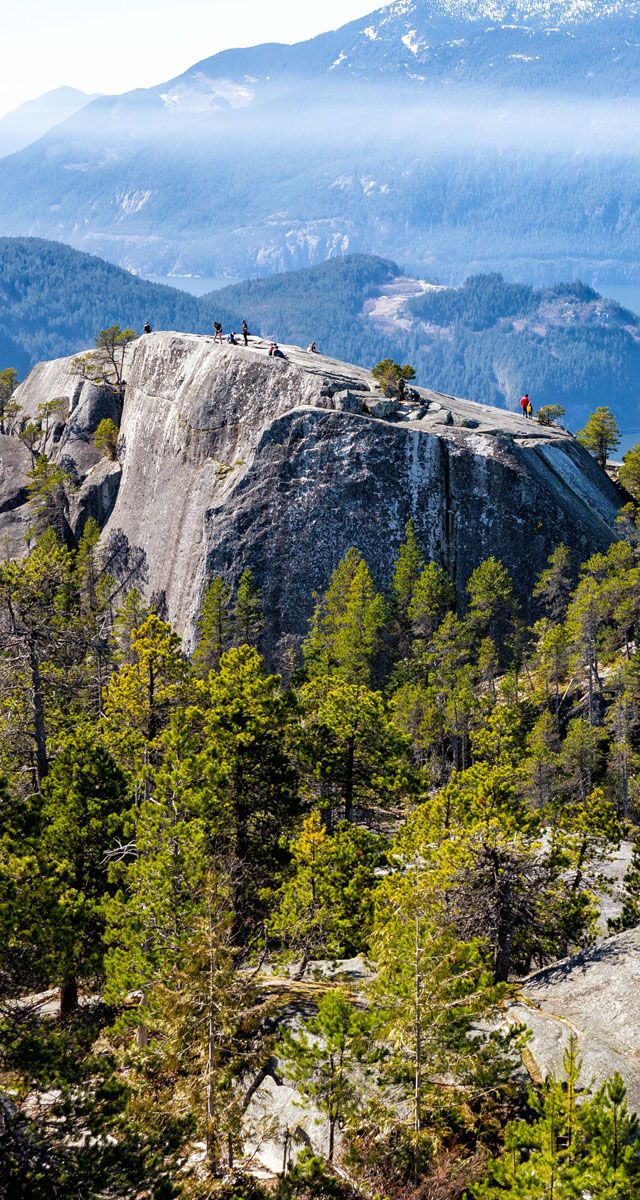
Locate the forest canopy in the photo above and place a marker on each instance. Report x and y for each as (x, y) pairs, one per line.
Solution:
(434, 791)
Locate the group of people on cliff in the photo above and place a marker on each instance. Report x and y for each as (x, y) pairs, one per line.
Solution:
(275, 352)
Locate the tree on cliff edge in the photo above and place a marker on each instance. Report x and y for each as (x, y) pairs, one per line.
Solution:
(601, 434)
(105, 365)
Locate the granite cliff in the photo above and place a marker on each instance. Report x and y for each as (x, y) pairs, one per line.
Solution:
(229, 458)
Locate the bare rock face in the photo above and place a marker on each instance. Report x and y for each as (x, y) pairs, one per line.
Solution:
(230, 458)
(15, 463)
(595, 996)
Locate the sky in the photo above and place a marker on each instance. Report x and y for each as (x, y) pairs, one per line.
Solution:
(137, 43)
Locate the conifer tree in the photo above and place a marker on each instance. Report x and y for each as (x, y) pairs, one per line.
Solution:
(83, 805)
(554, 585)
(408, 568)
(40, 642)
(49, 487)
(601, 434)
(141, 695)
(630, 472)
(433, 595)
(320, 1056)
(325, 906)
(251, 781)
(358, 629)
(356, 757)
(247, 612)
(575, 1146)
(317, 649)
(131, 614)
(629, 915)
(492, 602)
(429, 991)
(214, 627)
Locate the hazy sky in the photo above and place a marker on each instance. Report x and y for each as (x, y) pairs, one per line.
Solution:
(123, 44)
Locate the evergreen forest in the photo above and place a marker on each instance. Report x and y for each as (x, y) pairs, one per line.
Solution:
(488, 340)
(191, 846)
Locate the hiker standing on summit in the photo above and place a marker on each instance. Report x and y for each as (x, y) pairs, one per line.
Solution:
(525, 405)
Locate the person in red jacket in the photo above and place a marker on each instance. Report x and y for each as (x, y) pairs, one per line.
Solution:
(524, 404)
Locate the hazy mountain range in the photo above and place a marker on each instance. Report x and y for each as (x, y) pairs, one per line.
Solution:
(30, 121)
(488, 340)
(453, 137)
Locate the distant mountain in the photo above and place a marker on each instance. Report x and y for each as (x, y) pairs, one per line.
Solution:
(30, 121)
(453, 137)
(488, 340)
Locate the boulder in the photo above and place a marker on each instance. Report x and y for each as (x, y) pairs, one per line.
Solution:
(382, 407)
(347, 401)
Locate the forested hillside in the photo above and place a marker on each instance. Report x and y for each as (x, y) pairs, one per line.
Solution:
(53, 298)
(488, 340)
(434, 788)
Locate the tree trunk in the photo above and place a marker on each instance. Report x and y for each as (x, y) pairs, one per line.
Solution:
(348, 780)
(68, 997)
(39, 728)
(417, 1078)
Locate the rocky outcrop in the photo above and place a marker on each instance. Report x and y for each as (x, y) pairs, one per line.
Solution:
(230, 459)
(595, 995)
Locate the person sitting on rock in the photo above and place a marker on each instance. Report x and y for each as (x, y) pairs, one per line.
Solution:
(232, 339)
(312, 349)
(275, 351)
(147, 327)
(217, 331)
(245, 333)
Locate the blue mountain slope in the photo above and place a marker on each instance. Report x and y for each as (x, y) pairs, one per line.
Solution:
(455, 137)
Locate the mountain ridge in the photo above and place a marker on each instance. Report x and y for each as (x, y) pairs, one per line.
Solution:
(454, 137)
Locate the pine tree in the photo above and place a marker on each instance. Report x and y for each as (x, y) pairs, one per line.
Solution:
(49, 487)
(433, 595)
(347, 624)
(554, 585)
(131, 614)
(328, 611)
(630, 913)
(358, 629)
(408, 568)
(214, 627)
(319, 1059)
(325, 906)
(247, 613)
(84, 801)
(355, 756)
(141, 695)
(575, 1146)
(492, 602)
(41, 644)
(601, 434)
(429, 991)
(630, 472)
